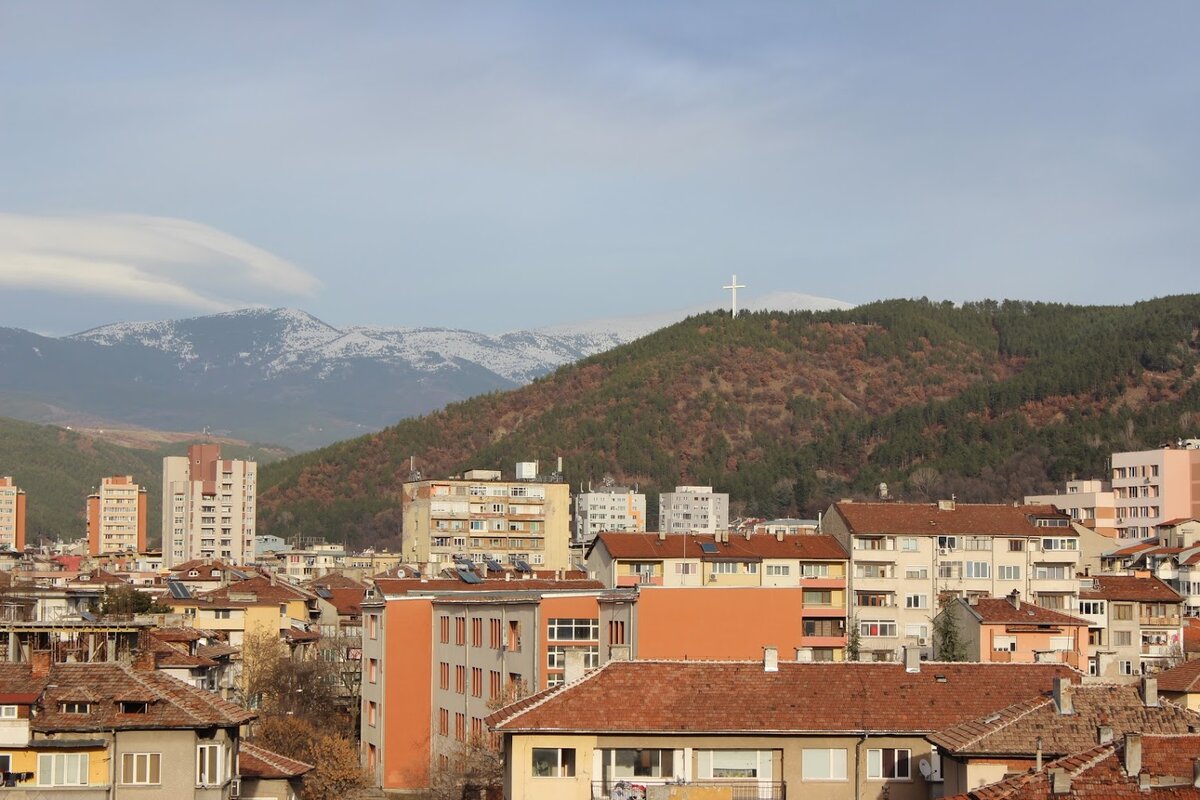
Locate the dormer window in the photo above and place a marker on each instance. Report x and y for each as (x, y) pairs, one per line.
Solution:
(75, 707)
(8, 712)
(193, 573)
(134, 707)
(216, 573)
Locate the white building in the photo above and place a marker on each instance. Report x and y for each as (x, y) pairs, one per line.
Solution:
(609, 508)
(693, 508)
(1090, 503)
(209, 506)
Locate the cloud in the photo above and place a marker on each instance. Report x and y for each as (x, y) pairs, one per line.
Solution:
(154, 260)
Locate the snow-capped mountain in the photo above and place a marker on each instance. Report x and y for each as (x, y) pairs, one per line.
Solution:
(284, 376)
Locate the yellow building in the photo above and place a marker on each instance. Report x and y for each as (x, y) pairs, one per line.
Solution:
(247, 607)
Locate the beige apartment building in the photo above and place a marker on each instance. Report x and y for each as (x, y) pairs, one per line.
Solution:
(1153, 486)
(609, 508)
(208, 508)
(116, 517)
(1090, 503)
(12, 515)
(904, 557)
(481, 517)
(1135, 624)
(697, 509)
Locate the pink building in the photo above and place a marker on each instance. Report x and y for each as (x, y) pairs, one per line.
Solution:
(1005, 629)
(1152, 486)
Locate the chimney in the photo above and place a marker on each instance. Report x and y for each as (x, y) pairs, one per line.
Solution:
(912, 659)
(1104, 734)
(770, 659)
(662, 536)
(779, 535)
(1015, 598)
(619, 652)
(1039, 755)
(1060, 781)
(40, 661)
(1196, 773)
(804, 655)
(573, 666)
(1150, 692)
(1133, 754)
(507, 575)
(1062, 696)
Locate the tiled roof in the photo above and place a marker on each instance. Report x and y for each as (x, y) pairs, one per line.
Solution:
(739, 696)
(1191, 634)
(204, 567)
(171, 703)
(1098, 773)
(1171, 523)
(259, 762)
(392, 586)
(1000, 610)
(1128, 587)
(1132, 549)
(336, 580)
(964, 519)
(347, 600)
(1017, 729)
(1182, 678)
(169, 654)
(237, 594)
(215, 651)
(758, 546)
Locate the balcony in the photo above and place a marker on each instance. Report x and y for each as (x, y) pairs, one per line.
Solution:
(1159, 650)
(639, 580)
(1160, 622)
(652, 789)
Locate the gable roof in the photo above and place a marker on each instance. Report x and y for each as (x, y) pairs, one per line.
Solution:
(929, 519)
(401, 586)
(1182, 678)
(1129, 587)
(740, 697)
(259, 762)
(999, 610)
(263, 590)
(1020, 729)
(755, 548)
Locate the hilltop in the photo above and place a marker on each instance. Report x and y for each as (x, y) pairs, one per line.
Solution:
(786, 411)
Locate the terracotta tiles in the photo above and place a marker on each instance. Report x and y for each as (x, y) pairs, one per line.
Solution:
(1000, 610)
(259, 762)
(1183, 678)
(398, 586)
(917, 519)
(758, 546)
(1129, 587)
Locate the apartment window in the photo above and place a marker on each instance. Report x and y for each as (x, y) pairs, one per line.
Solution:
(814, 570)
(209, 764)
(444, 675)
(460, 726)
(873, 571)
(221, 613)
(1004, 643)
(1051, 572)
(443, 722)
(977, 543)
(494, 637)
(476, 632)
(63, 769)
(372, 670)
(494, 688)
(1091, 607)
(824, 627)
(823, 765)
(1125, 667)
(950, 569)
(641, 763)
(1060, 544)
(947, 542)
(476, 682)
(777, 570)
(1122, 638)
(567, 629)
(874, 599)
(888, 763)
(556, 657)
(76, 708)
(719, 764)
(460, 630)
(979, 569)
(877, 627)
(1016, 545)
(372, 710)
(908, 544)
(916, 573)
(1010, 572)
(685, 568)
(554, 762)
(725, 568)
(445, 628)
(916, 601)
(460, 679)
(917, 631)
(616, 632)
(815, 597)
(1122, 611)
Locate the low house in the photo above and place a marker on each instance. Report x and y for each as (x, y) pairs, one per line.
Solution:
(765, 729)
(269, 776)
(1023, 736)
(1181, 684)
(1009, 629)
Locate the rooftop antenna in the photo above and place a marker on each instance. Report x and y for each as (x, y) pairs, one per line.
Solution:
(733, 287)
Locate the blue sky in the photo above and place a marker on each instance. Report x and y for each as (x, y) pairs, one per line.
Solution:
(496, 166)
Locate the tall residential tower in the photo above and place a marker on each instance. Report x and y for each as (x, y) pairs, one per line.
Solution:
(12, 515)
(116, 517)
(208, 507)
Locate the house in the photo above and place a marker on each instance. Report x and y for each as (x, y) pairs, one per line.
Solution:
(1134, 768)
(269, 776)
(765, 729)
(1023, 736)
(1009, 629)
(256, 604)
(1181, 684)
(1134, 624)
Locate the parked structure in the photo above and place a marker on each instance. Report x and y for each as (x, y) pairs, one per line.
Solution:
(116, 517)
(695, 509)
(208, 508)
(12, 515)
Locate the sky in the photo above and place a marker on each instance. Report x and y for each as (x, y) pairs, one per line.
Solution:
(500, 165)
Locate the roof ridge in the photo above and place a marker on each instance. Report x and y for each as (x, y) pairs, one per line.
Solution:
(1032, 705)
(538, 698)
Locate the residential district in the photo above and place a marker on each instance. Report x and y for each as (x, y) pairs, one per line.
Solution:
(528, 642)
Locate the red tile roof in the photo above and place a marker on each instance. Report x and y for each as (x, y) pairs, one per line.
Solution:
(336, 580)
(758, 546)
(1191, 634)
(1129, 587)
(1020, 729)
(739, 696)
(347, 601)
(393, 586)
(929, 519)
(1000, 610)
(259, 762)
(240, 594)
(1182, 678)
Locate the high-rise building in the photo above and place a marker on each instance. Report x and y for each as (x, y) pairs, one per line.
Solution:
(480, 517)
(12, 515)
(696, 509)
(208, 507)
(116, 517)
(609, 508)
(1154, 486)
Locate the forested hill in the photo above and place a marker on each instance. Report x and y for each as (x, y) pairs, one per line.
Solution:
(788, 410)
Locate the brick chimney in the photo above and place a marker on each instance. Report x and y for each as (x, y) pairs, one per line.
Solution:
(40, 661)
(1133, 754)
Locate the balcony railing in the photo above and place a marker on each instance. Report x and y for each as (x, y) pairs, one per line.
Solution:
(656, 789)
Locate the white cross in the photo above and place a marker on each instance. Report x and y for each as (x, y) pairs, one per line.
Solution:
(733, 287)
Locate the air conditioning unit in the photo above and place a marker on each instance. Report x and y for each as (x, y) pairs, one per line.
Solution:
(943, 551)
(922, 642)
(235, 788)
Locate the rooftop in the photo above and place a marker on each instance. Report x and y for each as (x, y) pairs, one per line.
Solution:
(707, 547)
(259, 762)
(941, 519)
(1129, 587)
(1000, 610)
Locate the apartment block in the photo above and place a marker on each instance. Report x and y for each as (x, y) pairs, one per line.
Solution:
(1090, 503)
(480, 517)
(609, 508)
(208, 508)
(693, 508)
(1152, 486)
(12, 515)
(1135, 625)
(906, 558)
(116, 517)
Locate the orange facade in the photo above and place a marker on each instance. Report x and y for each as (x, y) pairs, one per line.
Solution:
(408, 674)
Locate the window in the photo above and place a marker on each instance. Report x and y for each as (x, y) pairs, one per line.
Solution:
(616, 632)
(63, 769)
(813, 597)
(494, 637)
(725, 568)
(477, 681)
(209, 763)
(1051, 572)
(76, 708)
(916, 573)
(947, 542)
(778, 570)
(221, 613)
(460, 630)
(916, 601)
(493, 684)
(824, 627)
(877, 627)
(1122, 638)
(372, 710)
(814, 570)
(444, 675)
(573, 630)
(460, 679)
(443, 722)
(1004, 643)
(556, 657)
(977, 543)
(460, 726)
(134, 707)
(1122, 611)
(917, 631)
(1126, 667)
(1016, 545)
(888, 763)
(734, 763)
(8, 712)
(908, 544)
(372, 670)
(1010, 572)
(445, 628)
(823, 765)
(554, 762)
(642, 763)
(1060, 544)
(979, 569)
(685, 568)
(476, 632)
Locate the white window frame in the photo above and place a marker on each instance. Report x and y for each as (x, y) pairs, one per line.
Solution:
(147, 760)
(875, 764)
(977, 570)
(49, 769)
(916, 601)
(203, 763)
(559, 765)
(832, 760)
(8, 712)
(1010, 572)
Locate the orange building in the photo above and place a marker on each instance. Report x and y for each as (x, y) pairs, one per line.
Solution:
(116, 517)
(1005, 629)
(12, 515)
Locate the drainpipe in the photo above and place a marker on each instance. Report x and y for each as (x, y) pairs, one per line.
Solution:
(857, 766)
(112, 767)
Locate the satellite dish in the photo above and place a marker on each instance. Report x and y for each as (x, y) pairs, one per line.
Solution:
(925, 768)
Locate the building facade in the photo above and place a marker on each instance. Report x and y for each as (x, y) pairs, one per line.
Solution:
(1134, 624)
(1090, 503)
(12, 515)
(480, 516)
(208, 507)
(1151, 486)
(1005, 630)
(697, 509)
(906, 558)
(116, 517)
(609, 508)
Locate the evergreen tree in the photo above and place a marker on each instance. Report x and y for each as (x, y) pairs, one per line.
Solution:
(948, 644)
(853, 641)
